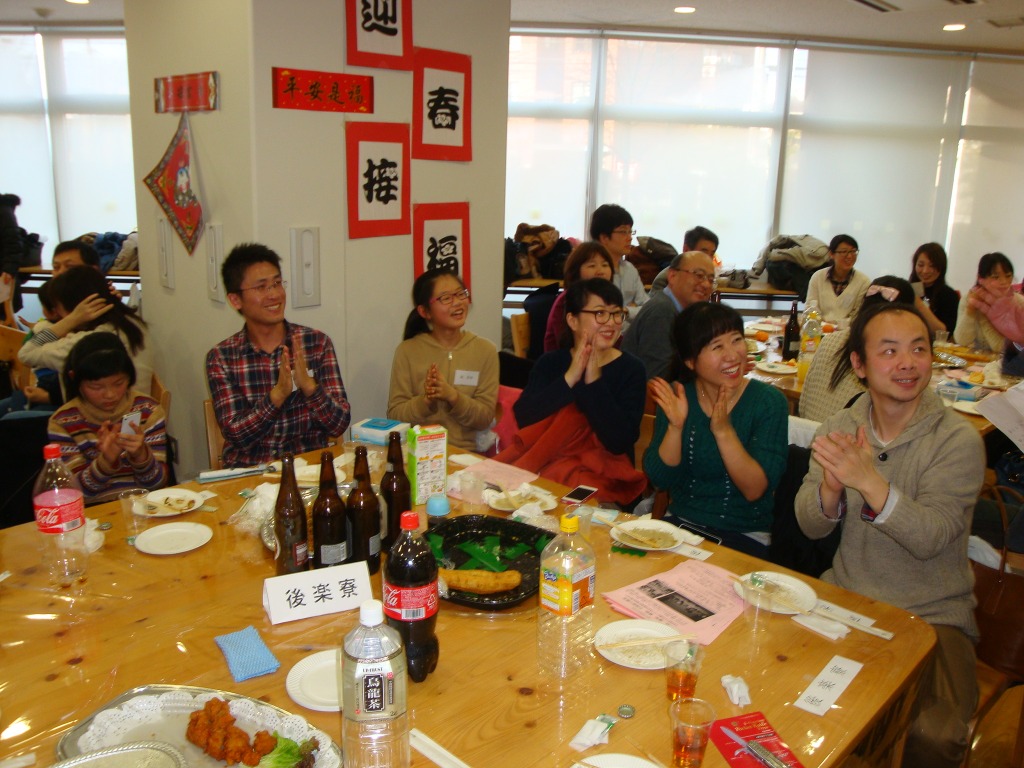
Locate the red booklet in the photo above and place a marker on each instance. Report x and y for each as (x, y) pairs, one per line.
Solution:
(751, 727)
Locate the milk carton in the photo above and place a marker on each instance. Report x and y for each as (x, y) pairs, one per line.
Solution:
(427, 461)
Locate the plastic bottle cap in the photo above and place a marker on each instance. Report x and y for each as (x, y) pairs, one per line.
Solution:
(51, 451)
(437, 506)
(371, 613)
(569, 523)
(409, 521)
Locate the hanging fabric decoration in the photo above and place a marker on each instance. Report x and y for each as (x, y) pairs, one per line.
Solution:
(174, 182)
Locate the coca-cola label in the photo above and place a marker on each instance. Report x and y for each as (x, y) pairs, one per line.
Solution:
(410, 603)
(60, 514)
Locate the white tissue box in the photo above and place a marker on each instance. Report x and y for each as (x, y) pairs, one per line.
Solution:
(376, 431)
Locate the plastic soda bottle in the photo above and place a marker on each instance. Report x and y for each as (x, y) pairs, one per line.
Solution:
(60, 518)
(810, 333)
(374, 724)
(565, 622)
(410, 597)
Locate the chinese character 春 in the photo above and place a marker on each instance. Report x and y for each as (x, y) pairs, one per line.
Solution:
(295, 598)
(381, 181)
(443, 108)
(443, 253)
(322, 592)
(380, 16)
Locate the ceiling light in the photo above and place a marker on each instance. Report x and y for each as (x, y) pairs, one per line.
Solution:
(77, 2)
(954, 27)
(684, 9)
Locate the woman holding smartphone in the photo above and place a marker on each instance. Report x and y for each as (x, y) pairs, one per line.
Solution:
(720, 440)
(111, 437)
(939, 303)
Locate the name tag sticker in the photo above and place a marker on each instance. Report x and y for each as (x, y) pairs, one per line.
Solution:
(316, 593)
(467, 378)
(824, 690)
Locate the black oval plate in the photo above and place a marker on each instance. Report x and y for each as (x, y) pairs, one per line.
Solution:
(468, 528)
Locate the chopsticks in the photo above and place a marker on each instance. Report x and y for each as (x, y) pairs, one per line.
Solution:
(636, 537)
(644, 641)
(780, 598)
(433, 751)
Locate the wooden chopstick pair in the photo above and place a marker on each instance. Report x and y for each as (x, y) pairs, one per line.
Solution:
(644, 641)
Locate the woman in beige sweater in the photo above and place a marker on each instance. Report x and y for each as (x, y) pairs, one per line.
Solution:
(443, 374)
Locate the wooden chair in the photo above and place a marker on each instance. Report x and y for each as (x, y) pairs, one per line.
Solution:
(661, 497)
(993, 682)
(214, 437)
(11, 340)
(520, 334)
(160, 393)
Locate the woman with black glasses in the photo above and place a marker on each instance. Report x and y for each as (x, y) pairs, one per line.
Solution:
(442, 373)
(579, 415)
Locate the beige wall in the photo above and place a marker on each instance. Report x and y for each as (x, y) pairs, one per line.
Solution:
(264, 171)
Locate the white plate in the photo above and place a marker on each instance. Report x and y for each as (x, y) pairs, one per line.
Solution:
(775, 368)
(755, 347)
(173, 538)
(639, 657)
(465, 459)
(793, 590)
(767, 327)
(171, 502)
(313, 682)
(309, 475)
(678, 534)
(615, 760)
(497, 501)
(967, 406)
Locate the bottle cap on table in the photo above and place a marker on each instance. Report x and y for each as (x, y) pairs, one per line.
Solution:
(438, 506)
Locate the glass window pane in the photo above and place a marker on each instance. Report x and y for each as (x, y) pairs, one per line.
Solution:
(546, 174)
(95, 65)
(20, 85)
(551, 70)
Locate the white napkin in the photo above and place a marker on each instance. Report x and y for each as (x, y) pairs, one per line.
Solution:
(93, 536)
(532, 514)
(833, 630)
(736, 687)
(593, 732)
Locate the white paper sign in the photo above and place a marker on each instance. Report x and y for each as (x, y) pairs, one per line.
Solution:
(823, 691)
(316, 593)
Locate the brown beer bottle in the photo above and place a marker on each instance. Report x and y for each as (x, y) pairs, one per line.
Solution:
(395, 489)
(791, 339)
(363, 517)
(291, 550)
(330, 539)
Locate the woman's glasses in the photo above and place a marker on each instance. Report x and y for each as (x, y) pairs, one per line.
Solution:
(603, 315)
(448, 298)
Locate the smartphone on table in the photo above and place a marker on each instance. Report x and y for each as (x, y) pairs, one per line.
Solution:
(579, 494)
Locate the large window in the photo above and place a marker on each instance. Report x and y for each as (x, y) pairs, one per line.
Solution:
(895, 148)
(64, 119)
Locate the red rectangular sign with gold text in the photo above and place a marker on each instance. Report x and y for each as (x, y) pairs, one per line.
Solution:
(322, 91)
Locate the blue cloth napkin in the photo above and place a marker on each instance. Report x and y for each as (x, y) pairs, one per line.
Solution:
(247, 654)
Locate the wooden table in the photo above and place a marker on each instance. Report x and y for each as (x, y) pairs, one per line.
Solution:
(143, 619)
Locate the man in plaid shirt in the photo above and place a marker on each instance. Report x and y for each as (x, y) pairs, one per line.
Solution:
(276, 385)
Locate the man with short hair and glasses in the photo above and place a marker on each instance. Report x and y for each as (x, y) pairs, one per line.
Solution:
(691, 278)
(612, 226)
(276, 386)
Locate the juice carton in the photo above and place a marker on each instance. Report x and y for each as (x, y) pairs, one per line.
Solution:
(427, 461)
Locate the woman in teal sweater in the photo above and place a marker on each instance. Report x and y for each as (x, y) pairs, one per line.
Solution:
(720, 439)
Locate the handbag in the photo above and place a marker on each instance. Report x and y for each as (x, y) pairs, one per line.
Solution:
(1000, 609)
(1009, 470)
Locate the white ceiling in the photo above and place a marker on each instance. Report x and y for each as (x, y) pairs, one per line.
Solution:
(915, 23)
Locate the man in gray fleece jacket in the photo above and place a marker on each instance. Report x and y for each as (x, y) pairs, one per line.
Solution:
(900, 473)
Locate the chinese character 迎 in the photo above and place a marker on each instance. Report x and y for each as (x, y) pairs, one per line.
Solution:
(443, 108)
(380, 16)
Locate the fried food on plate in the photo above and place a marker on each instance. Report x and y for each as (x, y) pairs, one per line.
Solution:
(480, 582)
(213, 730)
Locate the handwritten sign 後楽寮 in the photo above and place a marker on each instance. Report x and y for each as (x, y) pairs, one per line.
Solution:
(316, 593)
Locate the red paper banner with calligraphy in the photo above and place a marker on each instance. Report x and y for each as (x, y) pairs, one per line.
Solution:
(322, 91)
(378, 33)
(378, 179)
(199, 92)
(442, 106)
(441, 238)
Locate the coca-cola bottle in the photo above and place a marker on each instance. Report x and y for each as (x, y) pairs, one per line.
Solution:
(395, 489)
(330, 542)
(410, 597)
(291, 551)
(60, 518)
(362, 515)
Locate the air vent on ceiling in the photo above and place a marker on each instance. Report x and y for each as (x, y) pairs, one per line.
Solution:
(1007, 23)
(877, 5)
(965, 2)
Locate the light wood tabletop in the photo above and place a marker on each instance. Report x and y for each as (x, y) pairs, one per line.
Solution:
(142, 619)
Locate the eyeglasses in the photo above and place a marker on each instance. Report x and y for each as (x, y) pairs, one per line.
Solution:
(852, 252)
(264, 288)
(602, 315)
(699, 275)
(621, 231)
(448, 298)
